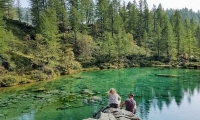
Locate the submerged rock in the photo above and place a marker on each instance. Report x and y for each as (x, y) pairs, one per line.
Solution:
(2, 115)
(63, 107)
(42, 89)
(43, 96)
(87, 92)
(53, 92)
(94, 99)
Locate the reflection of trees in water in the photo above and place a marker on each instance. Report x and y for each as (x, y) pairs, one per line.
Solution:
(157, 91)
(144, 107)
(198, 87)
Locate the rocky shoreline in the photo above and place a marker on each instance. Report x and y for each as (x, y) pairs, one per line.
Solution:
(107, 113)
(12, 80)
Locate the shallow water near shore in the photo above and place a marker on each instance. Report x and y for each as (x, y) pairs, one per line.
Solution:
(80, 96)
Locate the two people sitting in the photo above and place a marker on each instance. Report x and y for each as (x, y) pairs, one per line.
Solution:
(114, 101)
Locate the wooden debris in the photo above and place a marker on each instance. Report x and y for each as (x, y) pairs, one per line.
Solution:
(167, 75)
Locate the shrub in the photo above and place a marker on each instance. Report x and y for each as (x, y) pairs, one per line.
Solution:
(8, 81)
(24, 80)
(2, 70)
(38, 75)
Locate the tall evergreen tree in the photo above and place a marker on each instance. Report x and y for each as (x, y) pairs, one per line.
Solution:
(2, 11)
(179, 32)
(74, 17)
(141, 22)
(129, 24)
(159, 16)
(47, 25)
(27, 17)
(169, 45)
(8, 7)
(36, 9)
(146, 16)
(115, 20)
(19, 11)
(108, 48)
(158, 40)
(198, 35)
(102, 15)
(123, 11)
(62, 15)
(132, 20)
(154, 18)
(145, 37)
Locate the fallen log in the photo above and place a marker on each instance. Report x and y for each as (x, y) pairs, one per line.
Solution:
(167, 75)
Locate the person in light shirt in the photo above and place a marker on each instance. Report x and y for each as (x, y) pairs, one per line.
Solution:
(114, 99)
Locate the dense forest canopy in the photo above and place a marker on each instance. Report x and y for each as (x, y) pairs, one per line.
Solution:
(59, 37)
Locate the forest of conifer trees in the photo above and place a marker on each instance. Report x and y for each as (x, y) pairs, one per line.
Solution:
(59, 37)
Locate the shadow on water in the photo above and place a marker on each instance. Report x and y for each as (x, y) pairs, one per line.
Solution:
(79, 96)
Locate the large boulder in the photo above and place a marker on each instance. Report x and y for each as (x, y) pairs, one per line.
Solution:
(106, 113)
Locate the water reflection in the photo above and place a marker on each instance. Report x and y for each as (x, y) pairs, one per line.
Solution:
(28, 116)
(158, 98)
(183, 111)
(164, 94)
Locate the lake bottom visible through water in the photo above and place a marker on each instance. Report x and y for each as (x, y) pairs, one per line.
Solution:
(79, 96)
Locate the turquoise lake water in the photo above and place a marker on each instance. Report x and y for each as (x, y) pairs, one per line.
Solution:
(157, 97)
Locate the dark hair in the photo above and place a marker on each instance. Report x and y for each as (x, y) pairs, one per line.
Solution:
(131, 94)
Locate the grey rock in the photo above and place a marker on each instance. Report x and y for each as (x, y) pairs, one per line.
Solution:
(107, 113)
(43, 96)
(94, 99)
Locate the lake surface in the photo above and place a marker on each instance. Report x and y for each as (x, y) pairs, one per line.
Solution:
(72, 97)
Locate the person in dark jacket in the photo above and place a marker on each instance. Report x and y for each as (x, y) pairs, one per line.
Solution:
(130, 104)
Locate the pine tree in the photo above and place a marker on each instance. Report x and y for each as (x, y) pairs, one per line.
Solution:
(198, 36)
(145, 37)
(19, 11)
(189, 45)
(140, 27)
(102, 15)
(159, 16)
(129, 24)
(158, 40)
(2, 11)
(154, 18)
(90, 14)
(146, 17)
(27, 17)
(123, 12)
(169, 45)
(115, 20)
(108, 48)
(36, 9)
(132, 18)
(198, 15)
(193, 25)
(74, 17)
(87, 14)
(8, 6)
(62, 15)
(179, 33)
(135, 18)
(47, 25)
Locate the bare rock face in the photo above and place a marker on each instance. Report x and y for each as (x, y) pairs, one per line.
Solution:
(107, 113)
(104, 116)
